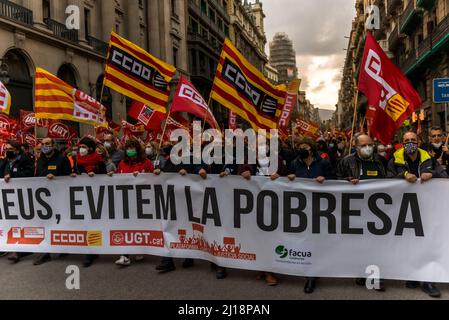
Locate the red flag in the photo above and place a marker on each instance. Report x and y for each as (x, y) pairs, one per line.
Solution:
(188, 99)
(28, 121)
(150, 118)
(291, 100)
(390, 93)
(59, 130)
(232, 124)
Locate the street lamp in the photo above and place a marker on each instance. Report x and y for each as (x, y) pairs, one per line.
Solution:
(4, 75)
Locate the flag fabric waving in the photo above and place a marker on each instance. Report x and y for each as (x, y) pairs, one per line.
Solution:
(135, 73)
(240, 87)
(150, 118)
(307, 129)
(390, 93)
(5, 99)
(188, 99)
(55, 99)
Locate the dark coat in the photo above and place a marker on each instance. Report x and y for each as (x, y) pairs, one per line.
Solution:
(319, 168)
(349, 167)
(23, 167)
(57, 165)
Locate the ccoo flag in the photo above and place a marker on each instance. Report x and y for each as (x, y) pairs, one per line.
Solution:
(135, 73)
(390, 94)
(240, 87)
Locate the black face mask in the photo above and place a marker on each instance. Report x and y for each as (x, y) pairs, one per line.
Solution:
(303, 153)
(10, 155)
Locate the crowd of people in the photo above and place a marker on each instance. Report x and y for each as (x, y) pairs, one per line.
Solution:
(328, 158)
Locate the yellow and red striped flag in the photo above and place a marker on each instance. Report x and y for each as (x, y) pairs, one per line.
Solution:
(135, 73)
(55, 99)
(244, 90)
(5, 99)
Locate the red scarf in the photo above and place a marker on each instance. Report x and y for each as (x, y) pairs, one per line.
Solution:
(89, 162)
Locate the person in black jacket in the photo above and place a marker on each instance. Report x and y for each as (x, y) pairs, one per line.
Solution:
(16, 165)
(310, 165)
(412, 163)
(167, 264)
(52, 163)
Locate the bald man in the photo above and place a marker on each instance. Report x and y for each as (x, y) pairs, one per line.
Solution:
(412, 163)
(364, 164)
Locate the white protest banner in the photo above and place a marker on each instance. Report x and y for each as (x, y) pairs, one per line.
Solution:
(297, 228)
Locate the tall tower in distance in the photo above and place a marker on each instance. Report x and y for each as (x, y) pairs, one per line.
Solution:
(283, 57)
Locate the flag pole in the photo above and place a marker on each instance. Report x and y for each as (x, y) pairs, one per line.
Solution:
(354, 116)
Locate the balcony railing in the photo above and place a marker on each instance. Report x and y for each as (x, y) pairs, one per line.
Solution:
(61, 31)
(98, 45)
(15, 12)
(428, 46)
(426, 4)
(393, 39)
(408, 17)
(196, 37)
(392, 6)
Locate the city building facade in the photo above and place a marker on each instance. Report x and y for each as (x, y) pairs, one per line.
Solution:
(415, 35)
(34, 34)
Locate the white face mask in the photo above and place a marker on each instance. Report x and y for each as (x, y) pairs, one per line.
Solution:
(108, 145)
(437, 145)
(84, 152)
(382, 154)
(149, 152)
(366, 152)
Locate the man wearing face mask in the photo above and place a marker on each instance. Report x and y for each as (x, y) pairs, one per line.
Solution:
(15, 165)
(411, 163)
(439, 151)
(364, 164)
(51, 164)
(116, 155)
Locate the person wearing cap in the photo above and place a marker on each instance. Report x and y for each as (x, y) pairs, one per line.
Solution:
(89, 162)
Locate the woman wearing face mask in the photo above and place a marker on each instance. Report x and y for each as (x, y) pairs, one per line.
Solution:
(110, 166)
(310, 165)
(135, 162)
(90, 162)
(153, 154)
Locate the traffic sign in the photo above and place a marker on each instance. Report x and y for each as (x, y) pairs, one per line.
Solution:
(441, 90)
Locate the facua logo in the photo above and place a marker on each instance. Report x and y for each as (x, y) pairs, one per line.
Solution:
(125, 238)
(28, 235)
(77, 238)
(284, 252)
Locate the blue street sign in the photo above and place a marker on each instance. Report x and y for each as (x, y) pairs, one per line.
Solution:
(441, 90)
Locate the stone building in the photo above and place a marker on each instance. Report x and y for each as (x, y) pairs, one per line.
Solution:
(283, 57)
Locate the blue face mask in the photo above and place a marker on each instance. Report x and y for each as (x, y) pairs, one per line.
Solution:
(46, 150)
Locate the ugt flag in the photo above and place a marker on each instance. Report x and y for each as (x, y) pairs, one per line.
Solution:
(390, 94)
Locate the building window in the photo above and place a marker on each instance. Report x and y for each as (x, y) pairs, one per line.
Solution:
(204, 7)
(87, 22)
(175, 56)
(174, 9)
(46, 9)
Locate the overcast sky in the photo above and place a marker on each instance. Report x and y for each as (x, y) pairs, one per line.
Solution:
(317, 29)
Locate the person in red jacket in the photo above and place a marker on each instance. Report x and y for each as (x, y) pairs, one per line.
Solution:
(135, 162)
